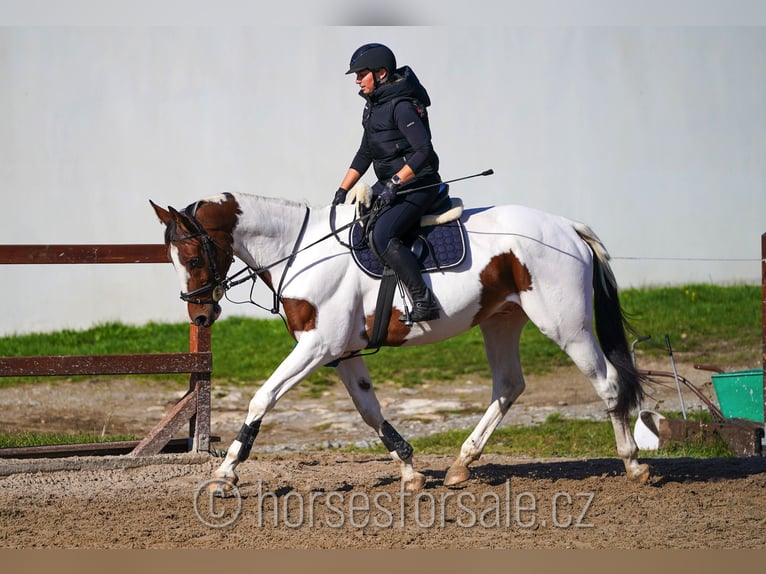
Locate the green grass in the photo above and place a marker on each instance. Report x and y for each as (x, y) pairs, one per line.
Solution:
(706, 323)
(26, 439)
(559, 437)
(556, 437)
(108, 338)
(709, 322)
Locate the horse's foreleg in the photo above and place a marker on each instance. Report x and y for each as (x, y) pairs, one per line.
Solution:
(401, 451)
(501, 342)
(301, 362)
(356, 378)
(239, 450)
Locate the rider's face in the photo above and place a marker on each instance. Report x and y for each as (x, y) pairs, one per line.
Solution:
(366, 81)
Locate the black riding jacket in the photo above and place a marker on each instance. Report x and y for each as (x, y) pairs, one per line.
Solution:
(396, 129)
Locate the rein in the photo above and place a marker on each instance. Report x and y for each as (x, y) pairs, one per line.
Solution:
(253, 273)
(219, 287)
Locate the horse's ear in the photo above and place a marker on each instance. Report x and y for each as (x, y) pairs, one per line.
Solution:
(181, 220)
(163, 214)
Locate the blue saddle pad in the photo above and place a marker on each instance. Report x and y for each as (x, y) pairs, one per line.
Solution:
(437, 247)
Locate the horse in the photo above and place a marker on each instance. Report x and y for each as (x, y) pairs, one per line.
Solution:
(522, 265)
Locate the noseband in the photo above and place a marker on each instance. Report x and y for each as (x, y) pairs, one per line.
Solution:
(217, 286)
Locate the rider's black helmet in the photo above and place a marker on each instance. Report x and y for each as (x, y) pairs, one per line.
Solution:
(372, 57)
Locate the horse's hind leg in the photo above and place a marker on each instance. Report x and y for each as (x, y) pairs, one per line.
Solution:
(590, 359)
(573, 332)
(501, 342)
(357, 380)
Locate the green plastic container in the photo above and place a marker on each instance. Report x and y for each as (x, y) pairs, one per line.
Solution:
(740, 394)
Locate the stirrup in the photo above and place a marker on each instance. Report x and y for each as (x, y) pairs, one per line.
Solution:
(421, 311)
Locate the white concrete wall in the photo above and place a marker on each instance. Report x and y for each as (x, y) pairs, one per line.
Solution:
(653, 135)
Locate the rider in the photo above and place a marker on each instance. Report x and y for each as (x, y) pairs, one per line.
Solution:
(397, 142)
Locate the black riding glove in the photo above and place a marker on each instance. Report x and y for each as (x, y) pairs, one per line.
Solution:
(340, 196)
(388, 195)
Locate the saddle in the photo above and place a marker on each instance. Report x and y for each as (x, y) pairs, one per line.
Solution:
(439, 243)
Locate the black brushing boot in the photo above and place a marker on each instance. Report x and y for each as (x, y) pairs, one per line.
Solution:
(406, 267)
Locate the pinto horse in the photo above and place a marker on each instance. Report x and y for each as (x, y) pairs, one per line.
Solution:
(522, 264)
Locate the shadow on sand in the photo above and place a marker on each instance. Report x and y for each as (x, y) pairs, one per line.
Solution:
(664, 470)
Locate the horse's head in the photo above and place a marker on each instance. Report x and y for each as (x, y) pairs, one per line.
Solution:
(199, 241)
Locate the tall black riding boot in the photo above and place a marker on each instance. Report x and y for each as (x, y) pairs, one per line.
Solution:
(405, 265)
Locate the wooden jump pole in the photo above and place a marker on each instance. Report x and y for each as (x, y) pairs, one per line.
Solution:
(193, 408)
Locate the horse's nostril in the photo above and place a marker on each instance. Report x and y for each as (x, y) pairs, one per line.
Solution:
(200, 321)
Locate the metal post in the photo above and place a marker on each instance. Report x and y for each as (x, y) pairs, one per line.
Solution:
(763, 327)
(675, 375)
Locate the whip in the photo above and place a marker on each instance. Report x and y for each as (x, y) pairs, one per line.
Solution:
(481, 174)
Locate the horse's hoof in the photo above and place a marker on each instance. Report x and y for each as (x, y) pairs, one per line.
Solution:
(641, 474)
(456, 474)
(416, 483)
(222, 487)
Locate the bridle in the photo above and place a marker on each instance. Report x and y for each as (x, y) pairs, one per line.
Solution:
(217, 286)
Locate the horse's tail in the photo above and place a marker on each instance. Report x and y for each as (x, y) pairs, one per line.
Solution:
(611, 325)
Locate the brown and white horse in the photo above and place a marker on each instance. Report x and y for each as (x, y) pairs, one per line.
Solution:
(523, 264)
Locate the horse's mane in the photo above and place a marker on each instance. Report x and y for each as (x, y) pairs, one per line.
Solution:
(262, 198)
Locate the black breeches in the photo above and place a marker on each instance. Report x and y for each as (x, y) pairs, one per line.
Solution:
(403, 215)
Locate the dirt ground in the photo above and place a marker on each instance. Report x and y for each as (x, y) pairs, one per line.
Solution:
(299, 491)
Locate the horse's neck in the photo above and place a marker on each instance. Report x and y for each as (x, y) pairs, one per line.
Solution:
(267, 229)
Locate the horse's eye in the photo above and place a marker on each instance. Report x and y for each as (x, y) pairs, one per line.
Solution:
(194, 262)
